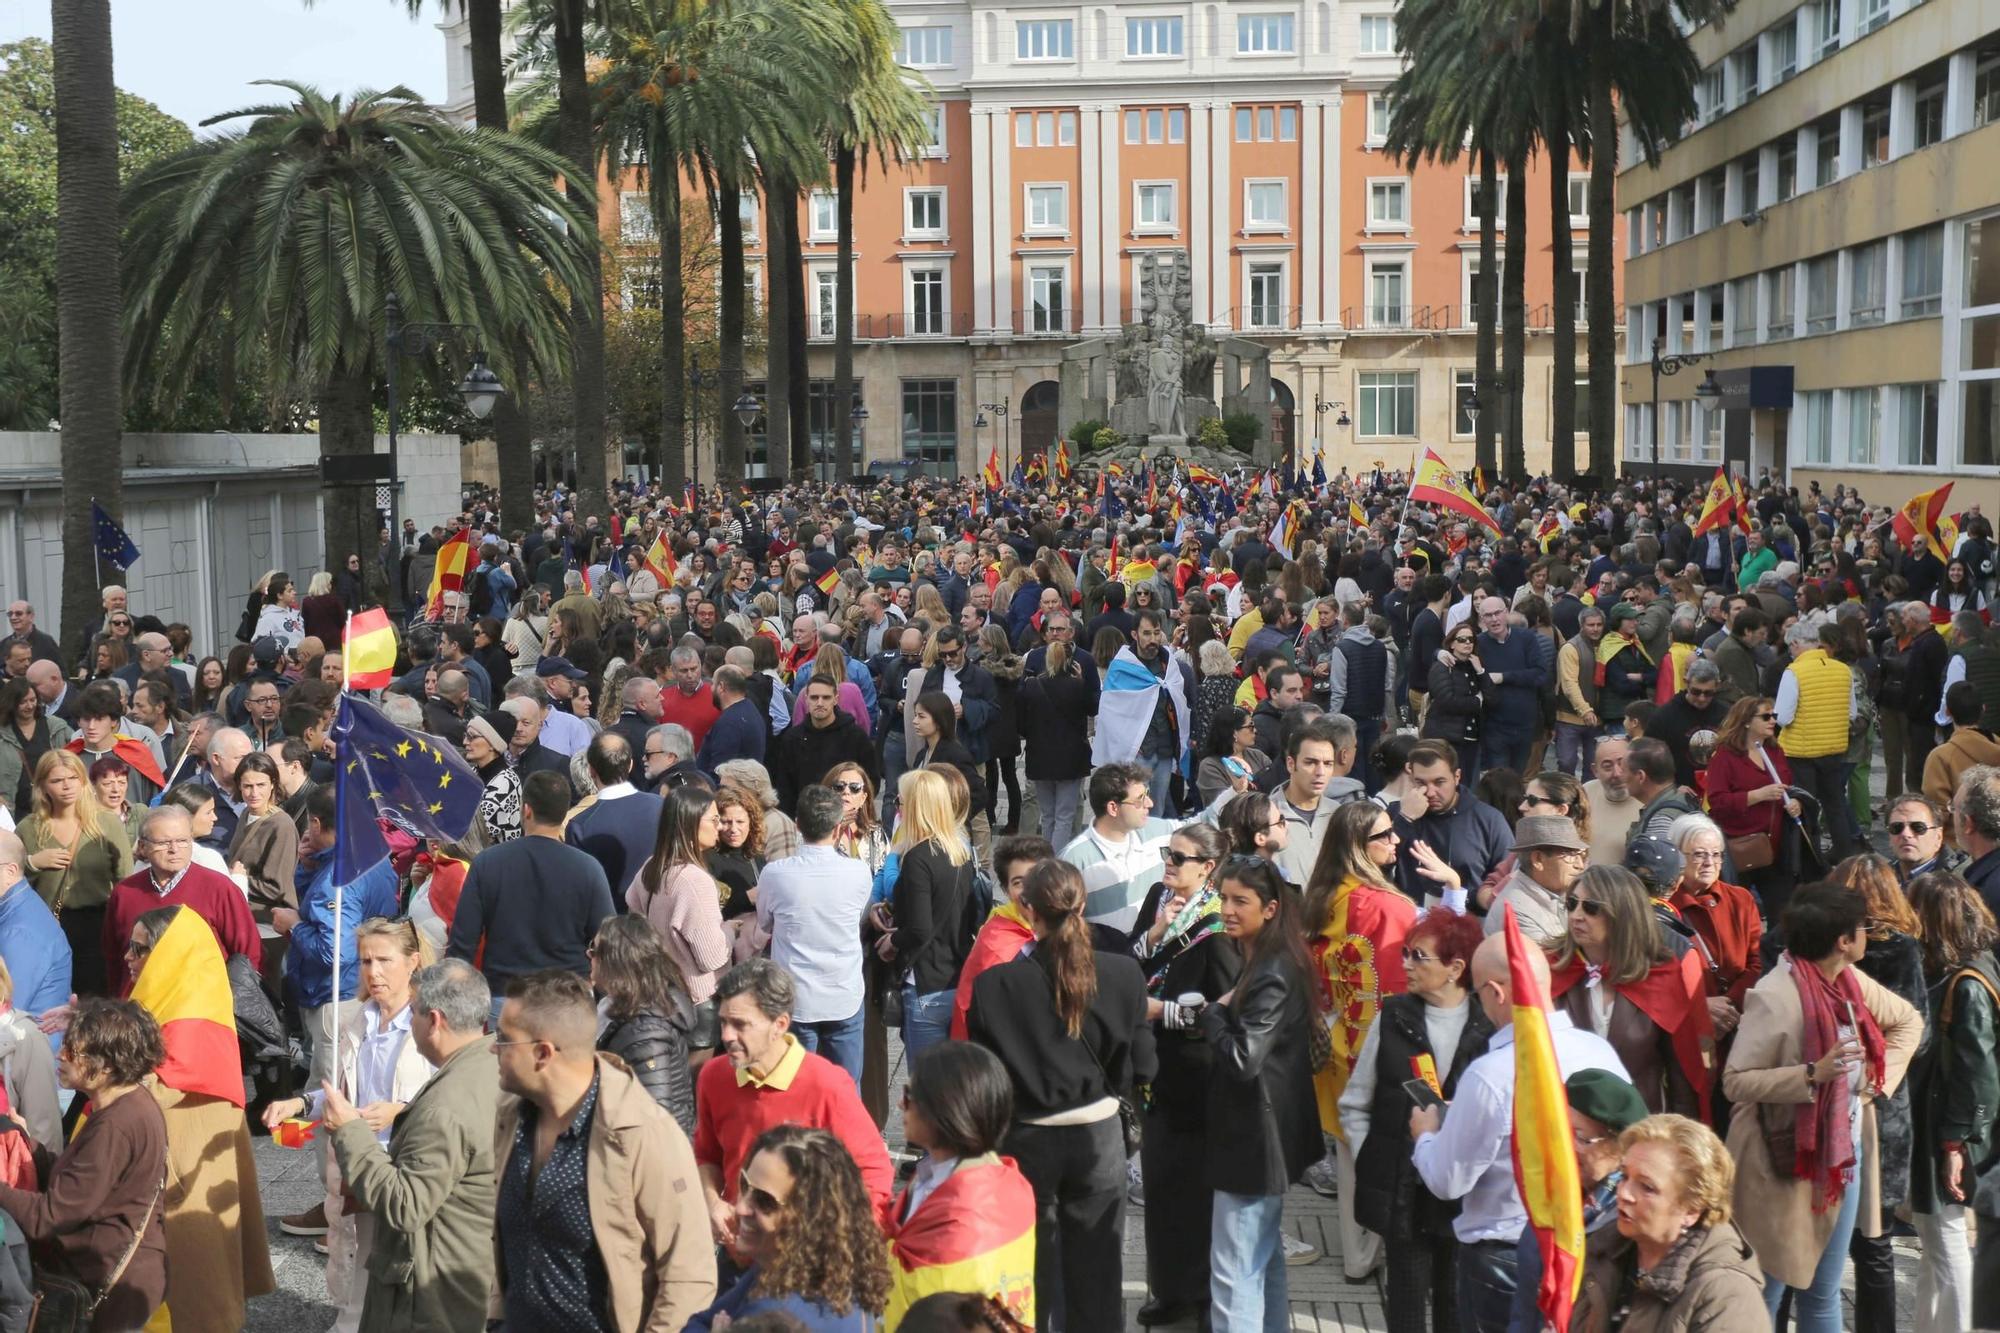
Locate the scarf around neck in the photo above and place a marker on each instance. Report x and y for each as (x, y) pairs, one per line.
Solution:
(1824, 1126)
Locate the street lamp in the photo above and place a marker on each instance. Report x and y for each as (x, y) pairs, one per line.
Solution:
(748, 409)
(859, 416)
(698, 379)
(1673, 365)
(481, 389)
(1006, 445)
(1471, 407)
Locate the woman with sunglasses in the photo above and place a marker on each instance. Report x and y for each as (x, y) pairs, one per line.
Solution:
(1460, 692)
(1748, 778)
(1260, 1039)
(1614, 975)
(1188, 963)
(1435, 1027)
(1230, 745)
(1355, 921)
(804, 1220)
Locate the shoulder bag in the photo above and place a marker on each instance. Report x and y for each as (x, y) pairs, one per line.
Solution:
(64, 1305)
(1755, 851)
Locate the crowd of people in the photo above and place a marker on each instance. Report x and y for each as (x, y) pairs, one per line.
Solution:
(1171, 823)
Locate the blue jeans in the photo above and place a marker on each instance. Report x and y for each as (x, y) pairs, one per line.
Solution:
(1486, 1282)
(838, 1039)
(1501, 749)
(1161, 785)
(1576, 742)
(1816, 1309)
(1058, 801)
(1246, 1285)
(926, 1020)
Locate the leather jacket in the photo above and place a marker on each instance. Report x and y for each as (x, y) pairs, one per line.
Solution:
(1262, 1082)
(655, 1047)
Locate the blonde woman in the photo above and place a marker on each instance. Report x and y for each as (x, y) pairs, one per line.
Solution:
(378, 1069)
(929, 606)
(933, 888)
(1060, 578)
(75, 853)
(325, 615)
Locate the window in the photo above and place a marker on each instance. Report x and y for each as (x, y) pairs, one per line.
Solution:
(924, 48)
(1710, 101)
(1288, 124)
(1826, 151)
(1378, 119)
(1267, 296)
(927, 312)
(924, 217)
(1867, 275)
(1786, 183)
(824, 287)
(1156, 125)
(1864, 425)
(1046, 312)
(1472, 204)
(1916, 424)
(1710, 198)
(1986, 92)
(1464, 393)
(1388, 294)
(1749, 180)
(1743, 65)
(1780, 323)
(1478, 291)
(1267, 124)
(1580, 420)
(1378, 35)
(1874, 13)
(1875, 131)
(1154, 206)
(1923, 271)
(1048, 208)
(1784, 50)
(1044, 39)
(1579, 201)
(934, 116)
(639, 284)
(1389, 205)
(635, 218)
(746, 209)
(1388, 403)
(1816, 426)
(1044, 129)
(930, 425)
(1821, 275)
(1264, 34)
(1827, 30)
(1743, 328)
(1153, 37)
(822, 220)
(1264, 206)
(1929, 114)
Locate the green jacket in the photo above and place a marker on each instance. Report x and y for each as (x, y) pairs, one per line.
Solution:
(13, 759)
(433, 1197)
(1755, 567)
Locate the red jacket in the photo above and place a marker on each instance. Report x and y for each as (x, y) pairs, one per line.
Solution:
(1732, 776)
(1725, 917)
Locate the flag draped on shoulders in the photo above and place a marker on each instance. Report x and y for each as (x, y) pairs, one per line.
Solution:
(1125, 708)
(1545, 1169)
(185, 987)
(974, 1233)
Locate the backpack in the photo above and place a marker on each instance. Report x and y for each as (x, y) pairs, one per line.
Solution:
(979, 900)
(479, 593)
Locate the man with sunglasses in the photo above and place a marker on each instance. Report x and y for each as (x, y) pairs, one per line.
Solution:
(1917, 830)
(1698, 707)
(21, 629)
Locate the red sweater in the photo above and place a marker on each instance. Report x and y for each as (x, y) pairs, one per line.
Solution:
(696, 712)
(214, 896)
(730, 1115)
(1732, 776)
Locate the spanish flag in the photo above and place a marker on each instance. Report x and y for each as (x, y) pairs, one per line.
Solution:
(1548, 529)
(1720, 506)
(660, 562)
(448, 575)
(369, 654)
(1196, 472)
(1062, 460)
(185, 987)
(974, 1233)
(1917, 521)
(1437, 484)
(991, 472)
(1478, 480)
(1545, 1169)
(1357, 513)
(828, 581)
(1743, 520)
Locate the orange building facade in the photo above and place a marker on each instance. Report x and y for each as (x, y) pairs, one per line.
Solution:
(1068, 145)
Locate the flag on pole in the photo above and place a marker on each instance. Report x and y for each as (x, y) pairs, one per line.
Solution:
(1357, 513)
(1545, 1170)
(991, 473)
(1719, 507)
(1917, 521)
(1437, 484)
(1743, 520)
(1062, 460)
(1282, 533)
(1196, 472)
(448, 574)
(1478, 480)
(369, 654)
(412, 780)
(1319, 469)
(828, 581)
(660, 562)
(1152, 489)
(114, 547)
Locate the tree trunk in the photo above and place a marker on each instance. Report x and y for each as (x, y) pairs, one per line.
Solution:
(846, 464)
(729, 332)
(780, 317)
(799, 399)
(1514, 332)
(1603, 170)
(586, 306)
(1562, 266)
(87, 302)
(672, 470)
(1486, 293)
(347, 427)
(513, 435)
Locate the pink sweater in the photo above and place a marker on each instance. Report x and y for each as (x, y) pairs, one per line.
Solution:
(687, 911)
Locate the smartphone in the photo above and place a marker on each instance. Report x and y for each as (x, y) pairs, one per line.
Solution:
(1235, 767)
(1420, 1093)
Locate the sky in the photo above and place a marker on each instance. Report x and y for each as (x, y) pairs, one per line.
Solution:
(196, 58)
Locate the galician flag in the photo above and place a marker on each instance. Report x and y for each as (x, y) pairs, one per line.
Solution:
(1125, 708)
(1545, 1170)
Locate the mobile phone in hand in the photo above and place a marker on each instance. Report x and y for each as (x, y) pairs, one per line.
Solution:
(1421, 1093)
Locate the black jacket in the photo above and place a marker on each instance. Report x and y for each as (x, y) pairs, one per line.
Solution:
(1955, 1079)
(803, 754)
(655, 1045)
(934, 929)
(1054, 720)
(1262, 1084)
(1897, 964)
(959, 757)
(1389, 1197)
(1013, 1014)
(1459, 697)
(1211, 966)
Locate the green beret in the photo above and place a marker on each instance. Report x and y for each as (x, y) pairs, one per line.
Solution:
(1606, 1098)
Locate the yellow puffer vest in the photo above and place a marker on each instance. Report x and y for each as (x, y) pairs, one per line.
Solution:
(1826, 688)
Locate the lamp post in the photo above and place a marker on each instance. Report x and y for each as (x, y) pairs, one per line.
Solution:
(1670, 365)
(859, 416)
(1321, 406)
(1006, 444)
(481, 389)
(747, 410)
(1471, 408)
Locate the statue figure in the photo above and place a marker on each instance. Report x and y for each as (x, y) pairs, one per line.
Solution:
(1164, 393)
(1129, 362)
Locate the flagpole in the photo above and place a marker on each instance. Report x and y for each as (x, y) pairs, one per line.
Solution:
(96, 560)
(346, 658)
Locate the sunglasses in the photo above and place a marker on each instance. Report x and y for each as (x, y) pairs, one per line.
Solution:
(1416, 956)
(850, 787)
(1381, 834)
(1179, 859)
(1588, 906)
(1533, 798)
(762, 1201)
(1767, 717)
(1916, 826)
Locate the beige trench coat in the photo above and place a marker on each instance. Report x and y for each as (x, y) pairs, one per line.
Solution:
(1766, 1065)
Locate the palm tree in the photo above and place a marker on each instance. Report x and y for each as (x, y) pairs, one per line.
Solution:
(1560, 110)
(303, 222)
(92, 405)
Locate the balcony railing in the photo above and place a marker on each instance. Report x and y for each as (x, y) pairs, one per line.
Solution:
(875, 328)
(1446, 319)
(1257, 318)
(1049, 321)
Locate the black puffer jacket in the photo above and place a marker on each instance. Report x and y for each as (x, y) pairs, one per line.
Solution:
(655, 1045)
(1896, 964)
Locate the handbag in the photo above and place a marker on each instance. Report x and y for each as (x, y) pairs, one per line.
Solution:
(1751, 851)
(64, 1305)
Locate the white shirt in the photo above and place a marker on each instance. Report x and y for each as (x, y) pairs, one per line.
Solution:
(811, 906)
(1788, 699)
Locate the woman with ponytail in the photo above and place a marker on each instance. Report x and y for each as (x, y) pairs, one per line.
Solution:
(1070, 1026)
(1260, 1042)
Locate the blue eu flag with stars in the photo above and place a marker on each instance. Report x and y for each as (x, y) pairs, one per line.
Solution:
(417, 782)
(114, 546)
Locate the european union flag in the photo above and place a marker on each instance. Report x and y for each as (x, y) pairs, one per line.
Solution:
(417, 782)
(617, 568)
(114, 547)
(1319, 470)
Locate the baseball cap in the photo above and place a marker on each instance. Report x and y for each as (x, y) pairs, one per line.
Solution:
(559, 666)
(1657, 862)
(268, 650)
